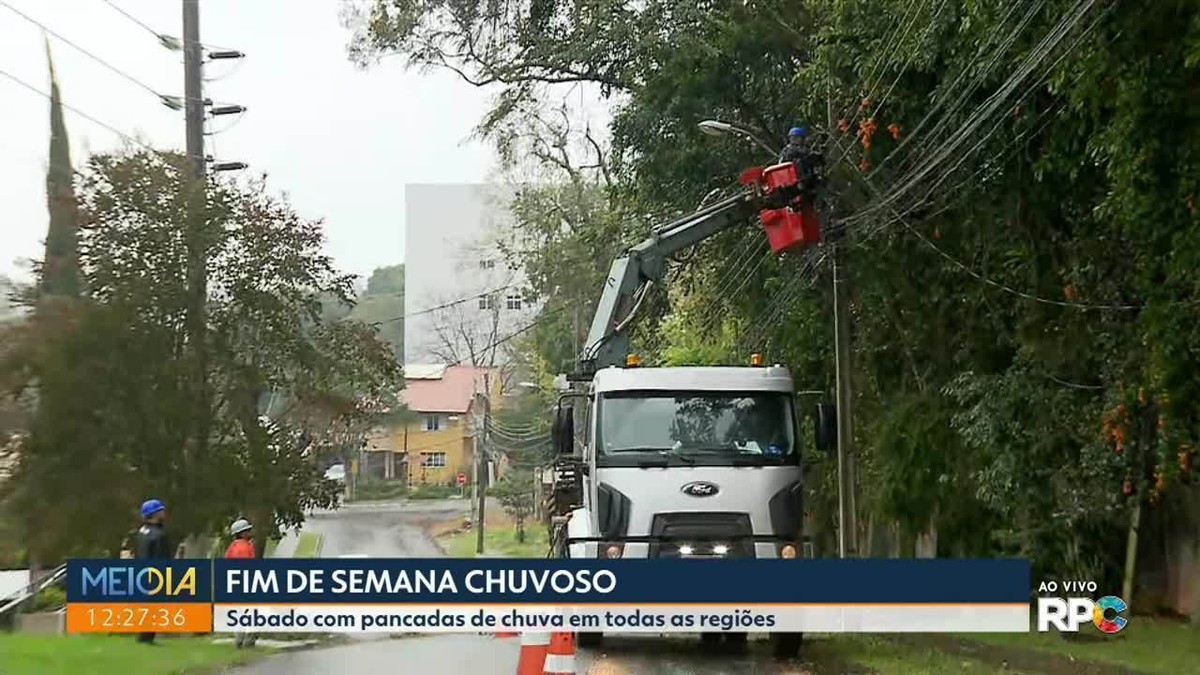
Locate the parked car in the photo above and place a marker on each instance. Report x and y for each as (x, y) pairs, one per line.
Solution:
(336, 472)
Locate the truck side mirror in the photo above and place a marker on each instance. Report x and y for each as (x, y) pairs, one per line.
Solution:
(563, 430)
(826, 427)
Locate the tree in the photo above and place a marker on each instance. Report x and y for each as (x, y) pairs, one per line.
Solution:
(60, 274)
(515, 492)
(1018, 187)
(382, 305)
(119, 359)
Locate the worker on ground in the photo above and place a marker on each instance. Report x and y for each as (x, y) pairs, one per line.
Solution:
(242, 547)
(151, 542)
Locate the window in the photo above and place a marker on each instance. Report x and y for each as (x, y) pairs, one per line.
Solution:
(433, 460)
(705, 428)
(487, 264)
(487, 302)
(514, 301)
(432, 422)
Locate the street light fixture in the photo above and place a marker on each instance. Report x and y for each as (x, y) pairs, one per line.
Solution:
(719, 128)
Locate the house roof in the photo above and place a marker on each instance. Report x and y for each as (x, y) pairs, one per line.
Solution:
(424, 371)
(452, 392)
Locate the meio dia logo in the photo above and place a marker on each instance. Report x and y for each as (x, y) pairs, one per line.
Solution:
(1066, 615)
(123, 581)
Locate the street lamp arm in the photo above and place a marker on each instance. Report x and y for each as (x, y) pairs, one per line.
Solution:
(719, 128)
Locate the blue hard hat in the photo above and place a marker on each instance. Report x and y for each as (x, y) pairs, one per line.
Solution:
(151, 507)
(798, 131)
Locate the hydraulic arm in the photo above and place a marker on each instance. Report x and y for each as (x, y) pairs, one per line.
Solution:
(774, 194)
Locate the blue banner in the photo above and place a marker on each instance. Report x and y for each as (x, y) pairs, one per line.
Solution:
(139, 581)
(746, 582)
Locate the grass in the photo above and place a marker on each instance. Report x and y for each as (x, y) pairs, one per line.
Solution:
(114, 655)
(308, 545)
(376, 490)
(1147, 645)
(881, 656)
(269, 549)
(499, 541)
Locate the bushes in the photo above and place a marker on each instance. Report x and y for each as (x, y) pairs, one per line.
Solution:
(376, 489)
(433, 492)
(48, 600)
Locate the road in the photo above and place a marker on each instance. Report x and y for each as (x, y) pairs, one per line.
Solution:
(393, 530)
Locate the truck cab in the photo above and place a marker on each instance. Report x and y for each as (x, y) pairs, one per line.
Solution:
(690, 462)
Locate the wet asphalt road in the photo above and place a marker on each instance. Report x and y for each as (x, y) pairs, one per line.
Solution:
(393, 530)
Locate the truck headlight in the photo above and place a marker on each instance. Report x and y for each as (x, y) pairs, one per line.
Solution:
(787, 551)
(614, 551)
(720, 549)
(685, 549)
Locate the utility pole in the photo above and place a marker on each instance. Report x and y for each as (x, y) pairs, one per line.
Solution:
(197, 281)
(847, 522)
(195, 111)
(481, 480)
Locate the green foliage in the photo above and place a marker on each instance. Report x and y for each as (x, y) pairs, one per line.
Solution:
(374, 490)
(432, 491)
(48, 599)
(515, 492)
(116, 396)
(1022, 244)
(382, 306)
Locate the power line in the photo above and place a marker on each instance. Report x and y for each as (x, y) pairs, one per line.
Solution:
(97, 59)
(445, 305)
(519, 332)
(77, 111)
(135, 20)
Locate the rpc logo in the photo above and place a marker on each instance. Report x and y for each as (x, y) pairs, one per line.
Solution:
(123, 581)
(1066, 615)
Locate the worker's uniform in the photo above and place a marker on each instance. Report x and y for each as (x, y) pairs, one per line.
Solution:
(151, 543)
(807, 163)
(243, 549)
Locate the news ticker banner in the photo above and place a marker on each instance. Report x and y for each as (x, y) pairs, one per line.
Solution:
(460, 595)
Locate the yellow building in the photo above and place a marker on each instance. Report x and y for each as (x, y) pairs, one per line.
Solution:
(437, 443)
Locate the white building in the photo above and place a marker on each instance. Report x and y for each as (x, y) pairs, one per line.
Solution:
(461, 298)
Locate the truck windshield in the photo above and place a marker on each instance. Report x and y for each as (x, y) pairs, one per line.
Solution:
(701, 428)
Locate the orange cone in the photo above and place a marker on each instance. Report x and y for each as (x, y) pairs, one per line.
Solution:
(560, 659)
(534, 647)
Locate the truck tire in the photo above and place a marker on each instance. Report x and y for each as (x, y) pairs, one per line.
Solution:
(786, 645)
(710, 639)
(736, 639)
(589, 640)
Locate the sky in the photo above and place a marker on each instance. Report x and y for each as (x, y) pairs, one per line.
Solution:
(341, 142)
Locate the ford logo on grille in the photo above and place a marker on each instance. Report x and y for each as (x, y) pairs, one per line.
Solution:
(700, 489)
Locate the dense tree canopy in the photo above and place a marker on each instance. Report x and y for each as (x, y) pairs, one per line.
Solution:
(1016, 182)
(288, 385)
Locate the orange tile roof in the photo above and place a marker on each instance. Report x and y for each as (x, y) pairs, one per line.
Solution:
(453, 392)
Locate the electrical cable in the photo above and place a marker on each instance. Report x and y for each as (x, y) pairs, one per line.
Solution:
(445, 305)
(97, 59)
(79, 112)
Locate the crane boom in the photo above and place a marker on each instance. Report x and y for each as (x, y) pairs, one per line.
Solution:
(608, 338)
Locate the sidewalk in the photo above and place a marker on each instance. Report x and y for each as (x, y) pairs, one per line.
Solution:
(287, 545)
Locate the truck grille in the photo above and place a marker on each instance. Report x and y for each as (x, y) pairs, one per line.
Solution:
(698, 535)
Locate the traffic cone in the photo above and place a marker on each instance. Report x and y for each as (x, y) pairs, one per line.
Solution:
(560, 659)
(534, 647)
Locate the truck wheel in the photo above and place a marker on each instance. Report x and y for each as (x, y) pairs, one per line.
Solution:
(710, 639)
(589, 640)
(786, 645)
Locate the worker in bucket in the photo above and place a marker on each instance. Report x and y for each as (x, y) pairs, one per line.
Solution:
(151, 542)
(242, 547)
(807, 161)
